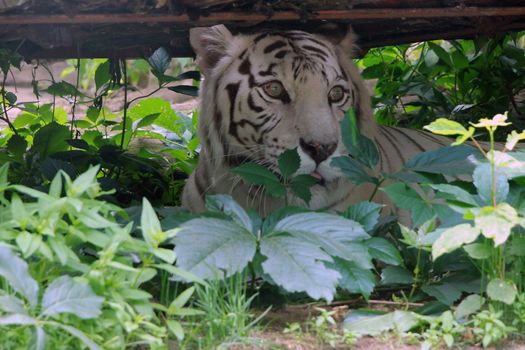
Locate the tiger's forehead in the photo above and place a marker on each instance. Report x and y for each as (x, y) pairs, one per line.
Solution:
(294, 51)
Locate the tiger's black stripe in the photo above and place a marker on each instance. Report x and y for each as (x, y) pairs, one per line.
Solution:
(388, 137)
(408, 137)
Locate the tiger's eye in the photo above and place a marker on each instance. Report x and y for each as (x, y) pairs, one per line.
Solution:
(336, 94)
(273, 88)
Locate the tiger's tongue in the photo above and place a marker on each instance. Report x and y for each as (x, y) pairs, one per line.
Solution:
(316, 175)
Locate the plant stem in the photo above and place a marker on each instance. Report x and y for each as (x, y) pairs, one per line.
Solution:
(378, 185)
(74, 100)
(492, 167)
(5, 117)
(416, 275)
(125, 117)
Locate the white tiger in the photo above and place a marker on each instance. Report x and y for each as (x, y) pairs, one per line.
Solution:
(268, 92)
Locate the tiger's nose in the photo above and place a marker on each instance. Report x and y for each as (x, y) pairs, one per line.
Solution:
(318, 151)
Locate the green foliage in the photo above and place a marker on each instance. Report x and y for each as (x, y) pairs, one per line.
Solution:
(462, 80)
(301, 252)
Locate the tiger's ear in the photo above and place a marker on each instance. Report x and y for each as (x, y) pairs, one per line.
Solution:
(210, 45)
(342, 36)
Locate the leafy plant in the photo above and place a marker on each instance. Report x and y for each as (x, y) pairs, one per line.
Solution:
(299, 251)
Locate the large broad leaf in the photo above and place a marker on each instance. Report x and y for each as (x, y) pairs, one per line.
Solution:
(297, 266)
(359, 146)
(370, 324)
(365, 213)
(454, 195)
(212, 248)
(225, 204)
(504, 291)
(11, 304)
(50, 139)
(468, 306)
(15, 271)
(446, 293)
(483, 181)
(381, 249)
(451, 161)
(334, 234)
(405, 197)
(160, 60)
(396, 275)
(65, 295)
(443, 126)
(17, 319)
(354, 278)
(497, 223)
(453, 238)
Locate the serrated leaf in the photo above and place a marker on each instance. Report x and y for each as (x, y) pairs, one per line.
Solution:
(255, 174)
(11, 304)
(160, 60)
(297, 266)
(455, 193)
(50, 139)
(63, 89)
(17, 319)
(354, 278)
(453, 238)
(381, 249)
(478, 250)
(353, 170)
(289, 161)
(301, 186)
(227, 205)
(500, 290)
(396, 275)
(17, 145)
(446, 293)
(469, 306)
(365, 213)
(447, 127)
(497, 223)
(451, 161)
(211, 248)
(65, 295)
(406, 198)
(15, 271)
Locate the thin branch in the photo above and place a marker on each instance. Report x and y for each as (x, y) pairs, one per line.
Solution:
(126, 105)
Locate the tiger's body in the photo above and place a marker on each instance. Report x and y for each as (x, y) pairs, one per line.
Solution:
(268, 92)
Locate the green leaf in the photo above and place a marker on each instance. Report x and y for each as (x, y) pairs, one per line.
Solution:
(185, 90)
(256, 174)
(150, 225)
(478, 250)
(50, 139)
(28, 243)
(17, 145)
(180, 300)
(517, 246)
(451, 161)
(77, 333)
(441, 53)
(40, 338)
(296, 266)
(63, 89)
(446, 293)
(406, 198)
(469, 306)
(497, 223)
(289, 161)
(453, 238)
(17, 319)
(372, 324)
(354, 278)
(381, 249)
(455, 194)
(102, 74)
(192, 74)
(15, 271)
(301, 186)
(366, 213)
(166, 255)
(11, 98)
(65, 295)
(11, 304)
(446, 127)
(396, 275)
(212, 248)
(160, 60)
(483, 181)
(147, 120)
(176, 329)
(353, 170)
(225, 204)
(500, 290)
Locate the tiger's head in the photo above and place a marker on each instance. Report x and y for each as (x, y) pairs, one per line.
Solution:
(268, 92)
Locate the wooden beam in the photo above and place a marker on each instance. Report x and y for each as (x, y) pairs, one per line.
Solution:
(224, 17)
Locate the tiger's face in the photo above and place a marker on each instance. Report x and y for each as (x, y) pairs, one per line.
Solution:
(285, 91)
(272, 92)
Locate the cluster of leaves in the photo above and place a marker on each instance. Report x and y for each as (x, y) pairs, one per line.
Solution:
(458, 79)
(298, 250)
(94, 269)
(43, 138)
